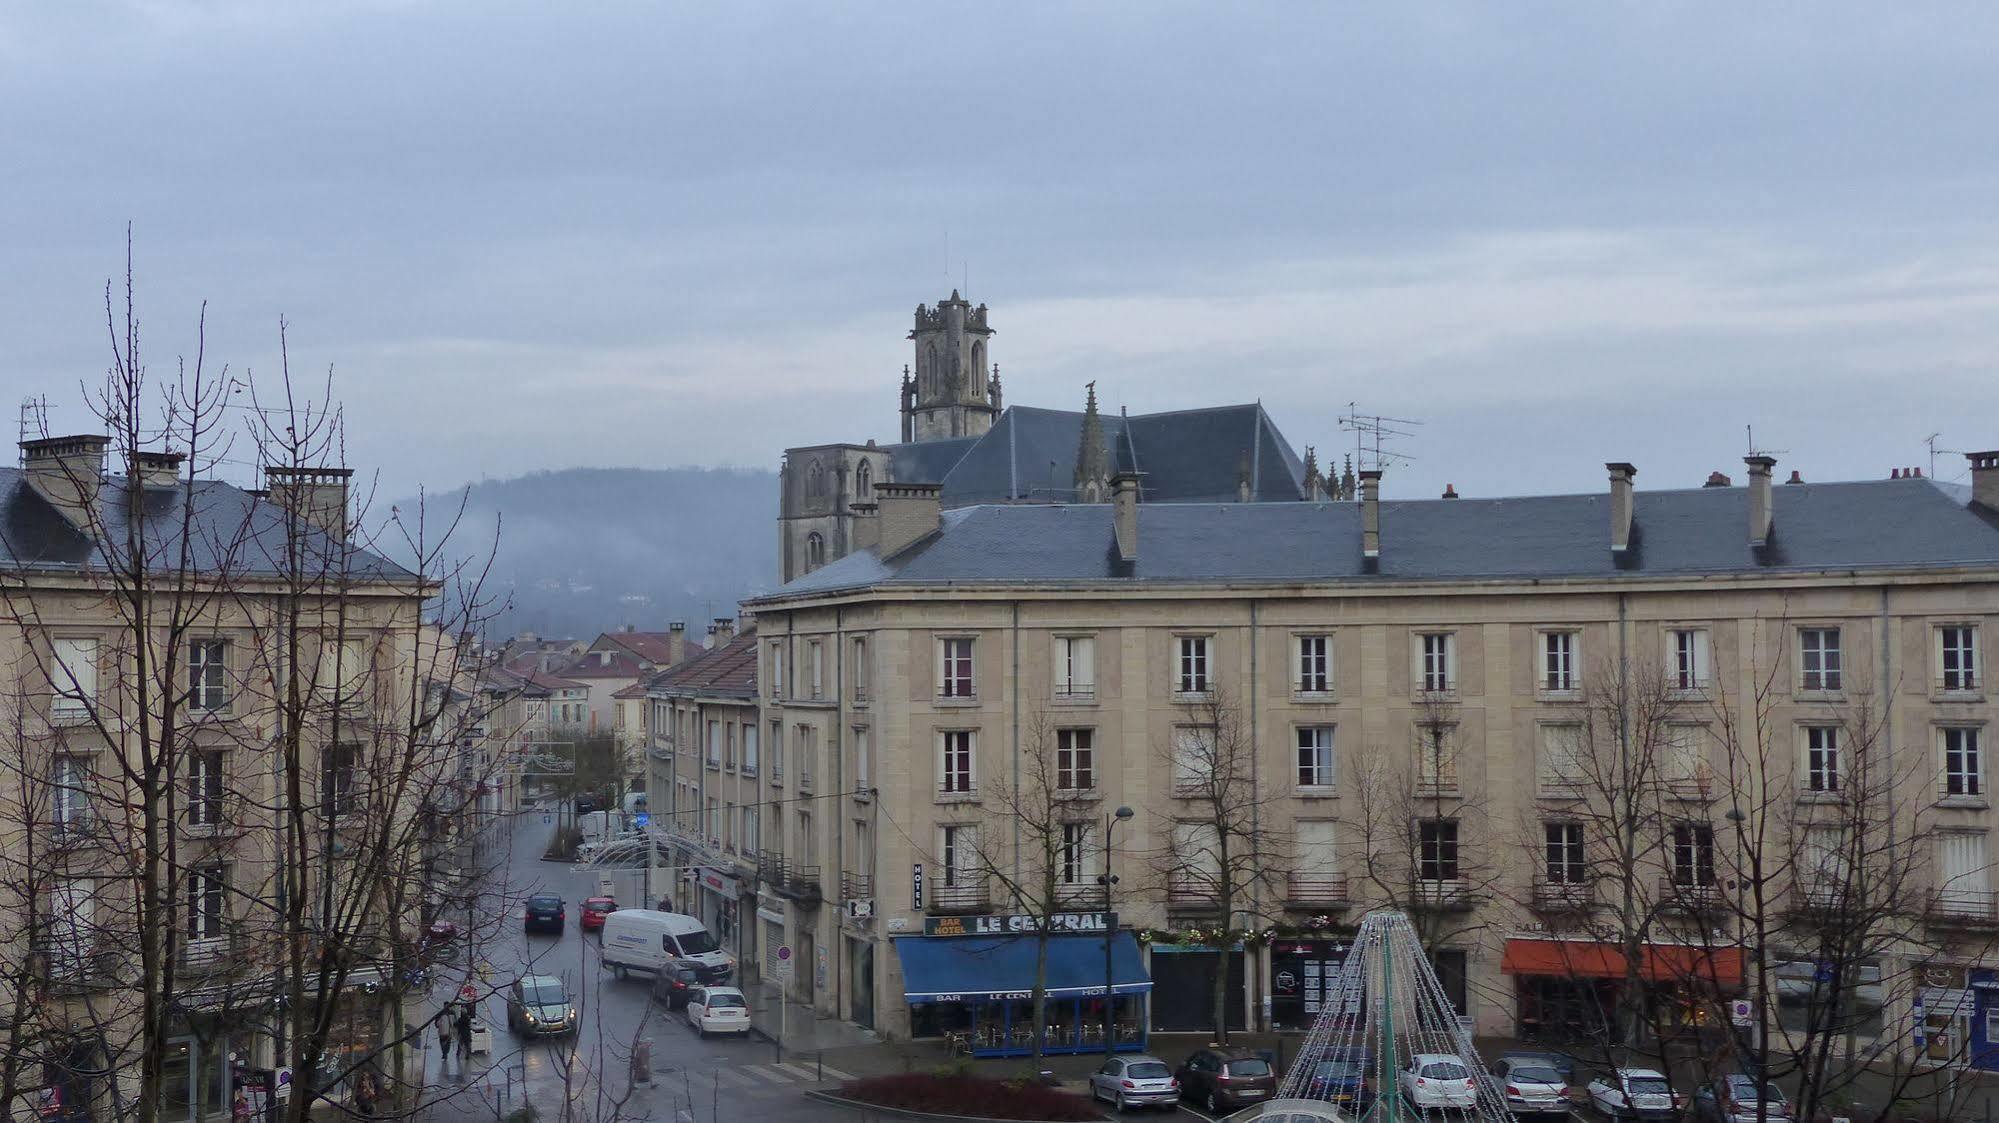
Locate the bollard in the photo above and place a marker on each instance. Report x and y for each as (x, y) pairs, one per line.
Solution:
(821, 1058)
(642, 1061)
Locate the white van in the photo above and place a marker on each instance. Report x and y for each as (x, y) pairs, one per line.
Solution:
(648, 940)
(595, 825)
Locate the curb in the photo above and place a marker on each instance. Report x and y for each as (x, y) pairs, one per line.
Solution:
(904, 1113)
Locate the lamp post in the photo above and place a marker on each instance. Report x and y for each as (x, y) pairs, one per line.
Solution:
(1110, 933)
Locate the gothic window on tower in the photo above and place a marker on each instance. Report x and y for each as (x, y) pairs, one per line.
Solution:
(864, 481)
(977, 372)
(815, 479)
(815, 550)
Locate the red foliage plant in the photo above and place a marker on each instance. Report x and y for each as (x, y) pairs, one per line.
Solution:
(975, 1096)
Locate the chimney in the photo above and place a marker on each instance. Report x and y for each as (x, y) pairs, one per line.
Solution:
(724, 630)
(1450, 491)
(1759, 497)
(909, 513)
(68, 472)
(867, 529)
(1124, 515)
(160, 469)
(1621, 475)
(1984, 479)
(676, 642)
(317, 495)
(1716, 479)
(1370, 513)
(1795, 478)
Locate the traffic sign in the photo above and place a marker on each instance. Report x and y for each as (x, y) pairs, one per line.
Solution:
(1742, 1012)
(784, 965)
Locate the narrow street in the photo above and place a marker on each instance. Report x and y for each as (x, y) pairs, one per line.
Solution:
(582, 1078)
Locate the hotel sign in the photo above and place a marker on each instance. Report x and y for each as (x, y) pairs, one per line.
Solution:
(1020, 924)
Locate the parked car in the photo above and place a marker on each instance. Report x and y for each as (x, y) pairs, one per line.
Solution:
(1734, 1099)
(595, 909)
(1342, 1077)
(674, 983)
(1634, 1093)
(544, 913)
(1437, 1081)
(1226, 1079)
(1140, 1081)
(538, 1005)
(1529, 1087)
(1541, 1058)
(718, 1010)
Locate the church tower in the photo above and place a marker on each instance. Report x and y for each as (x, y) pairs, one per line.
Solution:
(954, 391)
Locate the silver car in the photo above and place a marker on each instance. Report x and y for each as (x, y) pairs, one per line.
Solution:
(1139, 1081)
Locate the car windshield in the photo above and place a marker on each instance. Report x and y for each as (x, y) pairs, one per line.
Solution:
(1745, 1091)
(1648, 1086)
(717, 1001)
(1148, 1070)
(545, 902)
(1531, 1074)
(600, 906)
(1337, 1070)
(696, 943)
(1249, 1068)
(1445, 1071)
(543, 994)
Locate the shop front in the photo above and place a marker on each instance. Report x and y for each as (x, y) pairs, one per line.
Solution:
(1302, 978)
(977, 991)
(720, 901)
(1566, 990)
(1185, 974)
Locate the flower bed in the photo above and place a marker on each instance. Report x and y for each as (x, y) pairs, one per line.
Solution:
(975, 1096)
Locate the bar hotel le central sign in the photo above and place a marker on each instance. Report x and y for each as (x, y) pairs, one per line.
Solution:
(1020, 924)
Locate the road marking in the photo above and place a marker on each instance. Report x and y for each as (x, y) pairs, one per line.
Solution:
(734, 1077)
(800, 1071)
(837, 1074)
(765, 1072)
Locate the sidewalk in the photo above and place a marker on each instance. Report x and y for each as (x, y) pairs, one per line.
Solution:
(803, 1030)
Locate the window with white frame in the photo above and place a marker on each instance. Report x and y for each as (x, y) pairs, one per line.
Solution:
(1437, 850)
(954, 667)
(207, 674)
(863, 760)
(1075, 668)
(1436, 756)
(1822, 763)
(1075, 760)
(776, 746)
(1194, 669)
(75, 675)
(339, 765)
(775, 663)
(752, 829)
(1563, 862)
(1687, 653)
(806, 760)
(204, 788)
(1819, 659)
(1437, 662)
(1963, 760)
(1561, 762)
(207, 896)
(815, 664)
(1194, 750)
(711, 825)
(1822, 862)
(70, 795)
(749, 748)
(1957, 657)
(1558, 662)
(729, 825)
(955, 761)
(1693, 854)
(729, 745)
(1964, 877)
(714, 753)
(1683, 762)
(1318, 854)
(1315, 757)
(860, 673)
(1074, 866)
(958, 853)
(1314, 663)
(72, 921)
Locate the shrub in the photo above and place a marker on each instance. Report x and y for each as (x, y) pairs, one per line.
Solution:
(963, 1094)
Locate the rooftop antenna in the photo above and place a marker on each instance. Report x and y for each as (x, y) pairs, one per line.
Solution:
(34, 419)
(1931, 441)
(1371, 435)
(1749, 433)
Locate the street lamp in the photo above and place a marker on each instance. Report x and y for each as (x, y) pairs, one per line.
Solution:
(1110, 931)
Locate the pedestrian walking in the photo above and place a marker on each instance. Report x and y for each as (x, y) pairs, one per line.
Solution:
(442, 1024)
(463, 1023)
(366, 1092)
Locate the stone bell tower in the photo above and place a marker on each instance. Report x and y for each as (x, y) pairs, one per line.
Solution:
(955, 390)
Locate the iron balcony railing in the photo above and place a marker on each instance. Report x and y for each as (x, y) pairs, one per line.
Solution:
(1315, 890)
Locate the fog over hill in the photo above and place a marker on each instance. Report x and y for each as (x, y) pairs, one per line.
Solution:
(585, 550)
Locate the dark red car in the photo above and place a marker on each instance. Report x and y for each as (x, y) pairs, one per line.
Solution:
(595, 909)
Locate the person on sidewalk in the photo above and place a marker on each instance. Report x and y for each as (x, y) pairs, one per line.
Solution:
(463, 1023)
(366, 1093)
(442, 1024)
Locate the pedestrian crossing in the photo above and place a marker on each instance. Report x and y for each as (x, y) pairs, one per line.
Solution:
(786, 1077)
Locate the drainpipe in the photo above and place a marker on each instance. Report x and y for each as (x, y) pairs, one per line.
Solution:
(1257, 977)
(839, 779)
(1014, 640)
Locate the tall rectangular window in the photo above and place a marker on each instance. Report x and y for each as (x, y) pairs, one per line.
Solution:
(714, 752)
(1963, 761)
(1315, 756)
(776, 746)
(752, 830)
(1964, 876)
(954, 679)
(1438, 668)
(204, 788)
(207, 894)
(1074, 856)
(1957, 657)
(729, 745)
(1193, 677)
(1558, 662)
(1822, 758)
(807, 761)
(1075, 760)
(1436, 756)
(1075, 668)
(1564, 853)
(336, 778)
(1690, 658)
(863, 760)
(1315, 665)
(860, 672)
(815, 662)
(1437, 851)
(1819, 659)
(1561, 764)
(207, 674)
(74, 675)
(1194, 752)
(775, 664)
(955, 766)
(70, 795)
(957, 853)
(1693, 854)
(749, 748)
(1318, 855)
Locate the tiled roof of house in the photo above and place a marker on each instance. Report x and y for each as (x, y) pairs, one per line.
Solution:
(729, 671)
(593, 665)
(1879, 524)
(653, 647)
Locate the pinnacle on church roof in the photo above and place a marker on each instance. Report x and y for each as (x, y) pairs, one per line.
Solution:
(1093, 467)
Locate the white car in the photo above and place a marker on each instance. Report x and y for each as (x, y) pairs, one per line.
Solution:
(718, 1010)
(1634, 1093)
(1139, 1081)
(1438, 1080)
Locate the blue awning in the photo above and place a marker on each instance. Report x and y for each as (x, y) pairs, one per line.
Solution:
(996, 968)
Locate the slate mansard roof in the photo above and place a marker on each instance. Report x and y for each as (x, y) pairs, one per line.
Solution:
(1185, 456)
(1885, 524)
(729, 671)
(232, 530)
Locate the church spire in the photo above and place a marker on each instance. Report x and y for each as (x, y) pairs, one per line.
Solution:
(1093, 461)
(1315, 484)
(993, 387)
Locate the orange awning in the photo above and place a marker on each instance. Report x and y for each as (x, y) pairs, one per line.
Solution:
(1661, 963)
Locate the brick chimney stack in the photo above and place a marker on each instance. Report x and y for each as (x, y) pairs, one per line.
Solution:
(1370, 513)
(1759, 498)
(1985, 478)
(1621, 475)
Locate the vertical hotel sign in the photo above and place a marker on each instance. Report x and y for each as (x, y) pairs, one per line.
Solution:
(916, 886)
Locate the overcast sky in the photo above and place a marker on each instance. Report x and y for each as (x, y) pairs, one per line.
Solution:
(541, 235)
